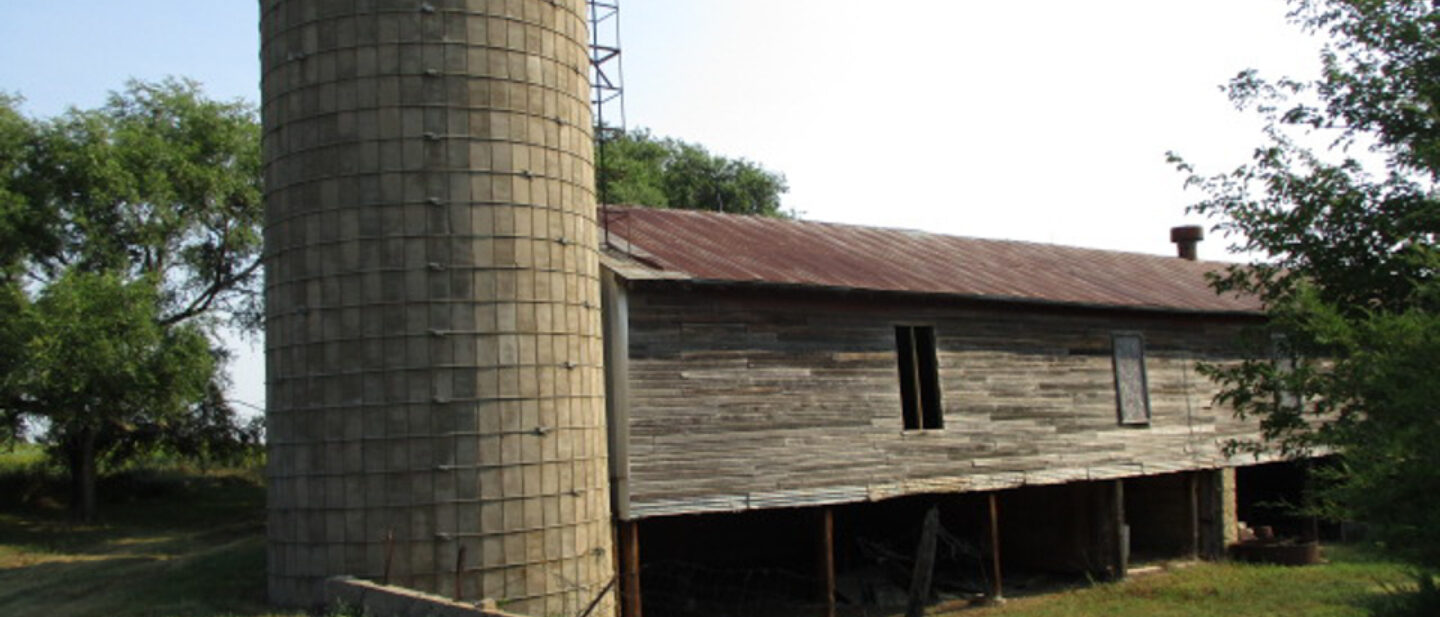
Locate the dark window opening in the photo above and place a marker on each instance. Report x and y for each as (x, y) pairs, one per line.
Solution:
(919, 377)
(1132, 393)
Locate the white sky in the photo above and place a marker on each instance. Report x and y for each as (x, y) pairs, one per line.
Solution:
(1045, 120)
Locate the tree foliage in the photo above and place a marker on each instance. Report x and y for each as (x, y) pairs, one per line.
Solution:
(159, 182)
(128, 234)
(636, 168)
(98, 364)
(1348, 275)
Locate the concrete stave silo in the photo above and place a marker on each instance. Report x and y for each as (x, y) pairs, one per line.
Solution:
(433, 329)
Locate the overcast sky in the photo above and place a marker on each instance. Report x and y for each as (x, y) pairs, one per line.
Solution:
(1045, 120)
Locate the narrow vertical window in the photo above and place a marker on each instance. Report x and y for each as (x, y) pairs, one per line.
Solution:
(919, 377)
(1132, 394)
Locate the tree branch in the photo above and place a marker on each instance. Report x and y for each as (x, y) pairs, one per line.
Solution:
(202, 302)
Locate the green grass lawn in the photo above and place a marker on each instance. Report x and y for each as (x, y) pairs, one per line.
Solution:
(169, 543)
(1356, 582)
(187, 543)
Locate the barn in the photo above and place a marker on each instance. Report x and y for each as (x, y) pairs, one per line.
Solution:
(781, 393)
(480, 385)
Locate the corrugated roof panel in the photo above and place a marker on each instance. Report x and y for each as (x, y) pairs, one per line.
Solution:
(709, 246)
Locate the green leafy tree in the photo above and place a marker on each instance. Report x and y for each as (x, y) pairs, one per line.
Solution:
(129, 234)
(16, 134)
(17, 224)
(160, 182)
(1348, 276)
(636, 168)
(13, 334)
(98, 363)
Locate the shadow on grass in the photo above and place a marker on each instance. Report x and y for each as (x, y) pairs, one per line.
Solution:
(136, 503)
(1417, 598)
(168, 543)
(228, 579)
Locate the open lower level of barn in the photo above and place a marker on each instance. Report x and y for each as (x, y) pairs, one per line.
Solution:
(859, 558)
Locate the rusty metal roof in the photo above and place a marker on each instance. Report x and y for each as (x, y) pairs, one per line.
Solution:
(647, 243)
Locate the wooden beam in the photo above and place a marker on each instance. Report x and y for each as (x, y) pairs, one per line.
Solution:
(1212, 513)
(826, 561)
(996, 587)
(1121, 540)
(630, 569)
(1192, 485)
(1108, 533)
(924, 564)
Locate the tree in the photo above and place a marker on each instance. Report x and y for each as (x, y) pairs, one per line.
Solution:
(12, 339)
(128, 234)
(17, 227)
(98, 363)
(15, 133)
(1347, 361)
(160, 181)
(637, 168)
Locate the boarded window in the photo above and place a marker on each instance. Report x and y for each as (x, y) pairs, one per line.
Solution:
(919, 377)
(1132, 395)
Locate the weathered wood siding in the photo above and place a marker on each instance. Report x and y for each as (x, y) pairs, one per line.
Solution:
(751, 398)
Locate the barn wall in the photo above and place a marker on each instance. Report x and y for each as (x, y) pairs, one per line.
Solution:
(762, 398)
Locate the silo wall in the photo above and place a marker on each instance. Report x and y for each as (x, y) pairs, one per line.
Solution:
(435, 388)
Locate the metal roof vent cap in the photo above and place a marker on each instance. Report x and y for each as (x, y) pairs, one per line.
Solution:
(1186, 237)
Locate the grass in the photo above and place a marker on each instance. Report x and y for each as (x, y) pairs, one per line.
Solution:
(1356, 582)
(177, 542)
(171, 542)
(21, 456)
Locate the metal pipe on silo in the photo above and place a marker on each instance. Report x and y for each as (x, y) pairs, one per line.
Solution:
(432, 301)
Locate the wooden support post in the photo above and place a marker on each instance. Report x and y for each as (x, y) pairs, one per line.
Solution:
(996, 589)
(1192, 486)
(924, 564)
(1312, 525)
(630, 568)
(1121, 541)
(1110, 536)
(826, 562)
(1217, 512)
